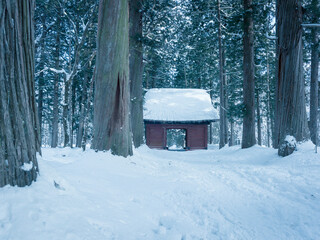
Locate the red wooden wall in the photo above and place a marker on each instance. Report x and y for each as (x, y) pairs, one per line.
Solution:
(196, 136)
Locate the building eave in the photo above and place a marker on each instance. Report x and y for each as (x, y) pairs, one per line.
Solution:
(206, 121)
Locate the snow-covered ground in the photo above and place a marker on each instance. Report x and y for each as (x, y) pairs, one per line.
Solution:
(214, 194)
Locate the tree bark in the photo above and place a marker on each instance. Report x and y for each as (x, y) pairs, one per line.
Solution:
(269, 128)
(269, 119)
(136, 69)
(290, 115)
(86, 116)
(259, 120)
(55, 119)
(210, 126)
(83, 105)
(223, 132)
(248, 134)
(71, 112)
(41, 81)
(231, 140)
(314, 77)
(19, 126)
(65, 112)
(314, 87)
(112, 90)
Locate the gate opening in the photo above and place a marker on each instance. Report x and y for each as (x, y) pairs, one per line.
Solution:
(176, 139)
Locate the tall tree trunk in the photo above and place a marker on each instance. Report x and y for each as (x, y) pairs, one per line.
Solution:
(185, 76)
(55, 119)
(231, 140)
(112, 90)
(248, 132)
(290, 115)
(210, 126)
(136, 69)
(258, 119)
(269, 119)
(314, 87)
(71, 113)
(65, 112)
(314, 77)
(223, 111)
(269, 129)
(86, 116)
(41, 81)
(19, 126)
(225, 93)
(83, 105)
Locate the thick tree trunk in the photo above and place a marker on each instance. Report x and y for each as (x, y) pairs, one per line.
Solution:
(314, 77)
(41, 81)
(19, 127)
(55, 119)
(112, 90)
(314, 87)
(248, 133)
(290, 115)
(223, 133)
(136, 69)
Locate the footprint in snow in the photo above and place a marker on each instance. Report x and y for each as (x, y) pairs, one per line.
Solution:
(166, 223)
(58, 186)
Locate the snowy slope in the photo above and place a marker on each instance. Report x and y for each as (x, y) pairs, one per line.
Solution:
(214, 194)
(178, 104)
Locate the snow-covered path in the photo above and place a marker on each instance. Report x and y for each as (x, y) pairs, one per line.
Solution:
(214, 194)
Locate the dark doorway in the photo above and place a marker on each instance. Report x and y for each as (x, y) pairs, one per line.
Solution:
(176, 139)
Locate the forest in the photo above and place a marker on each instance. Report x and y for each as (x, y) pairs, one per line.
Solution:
(229, 153)
(84, 67)
(184, 44)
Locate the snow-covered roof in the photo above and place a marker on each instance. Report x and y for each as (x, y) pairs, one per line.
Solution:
(178, 105)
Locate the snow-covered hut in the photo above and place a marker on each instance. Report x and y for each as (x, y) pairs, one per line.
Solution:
(178, 118)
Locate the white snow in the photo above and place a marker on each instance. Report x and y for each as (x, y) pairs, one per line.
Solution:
(68, 75)
(214, 194)
(291, 141)
(176, 104)
(27, 166)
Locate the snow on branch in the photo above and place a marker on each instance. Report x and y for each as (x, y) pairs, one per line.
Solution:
(58, 71)
(271, 37)
(68, 75)
(311, 25)
(43, 70)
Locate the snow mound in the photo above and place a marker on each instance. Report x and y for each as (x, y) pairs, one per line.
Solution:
(288, 146)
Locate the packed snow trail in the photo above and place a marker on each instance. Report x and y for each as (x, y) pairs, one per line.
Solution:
(214, 194)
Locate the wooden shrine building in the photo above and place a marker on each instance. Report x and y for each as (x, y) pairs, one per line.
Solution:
(178, 119)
